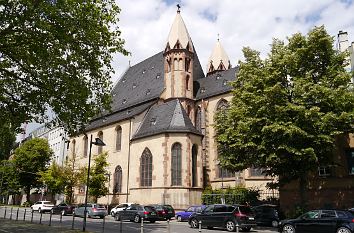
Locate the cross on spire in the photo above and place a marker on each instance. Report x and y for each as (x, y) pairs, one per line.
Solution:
(178, 8)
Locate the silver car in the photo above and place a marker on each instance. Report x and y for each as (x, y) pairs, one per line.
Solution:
(92, 210)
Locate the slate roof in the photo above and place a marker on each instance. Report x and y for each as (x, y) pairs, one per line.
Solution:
(166, 117)
(214, 84)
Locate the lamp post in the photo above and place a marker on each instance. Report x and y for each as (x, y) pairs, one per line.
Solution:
(109, 185)
(97, 142)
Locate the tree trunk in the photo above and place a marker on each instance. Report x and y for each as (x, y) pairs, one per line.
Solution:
(303, 191)
(28, 193)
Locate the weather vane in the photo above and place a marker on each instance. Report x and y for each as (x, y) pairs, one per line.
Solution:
(178, 8)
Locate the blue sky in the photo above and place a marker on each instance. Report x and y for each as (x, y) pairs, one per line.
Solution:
(145, 25)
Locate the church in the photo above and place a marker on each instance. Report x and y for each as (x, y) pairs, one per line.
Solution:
(159, 133)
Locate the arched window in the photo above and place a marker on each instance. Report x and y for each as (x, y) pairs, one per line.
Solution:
(85, 145)
(176, 165)
(118, 138)
(175, 64)
(222, 105)
(146, 168)
(180, 64)
(194, 166)
(187, 82)
(198, 119)
(117, 186)
(99, 148)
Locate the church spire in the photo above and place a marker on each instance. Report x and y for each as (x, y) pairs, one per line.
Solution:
(218, 59)
(179, 38)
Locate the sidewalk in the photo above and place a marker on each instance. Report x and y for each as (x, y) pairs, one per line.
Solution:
(11, 226)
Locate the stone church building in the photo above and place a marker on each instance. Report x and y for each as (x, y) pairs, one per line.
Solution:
(159, 135)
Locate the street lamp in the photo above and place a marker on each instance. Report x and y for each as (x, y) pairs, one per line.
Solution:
(97, 142)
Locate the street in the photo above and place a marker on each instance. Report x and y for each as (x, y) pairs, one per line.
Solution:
(108, 225)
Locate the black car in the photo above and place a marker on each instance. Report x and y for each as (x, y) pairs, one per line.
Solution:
(63, 209)
(136, 213)
(267, 214)
(164, 212)
(225, 216)
(320, 221)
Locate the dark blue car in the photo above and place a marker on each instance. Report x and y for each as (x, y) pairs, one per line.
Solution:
(184, 215)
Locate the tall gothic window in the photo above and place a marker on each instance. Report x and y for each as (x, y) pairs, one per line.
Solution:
(198, 119)
(118, 138)
(99, 148)
(187, 82)
(176, 165)
(117, 187)
(194, 166)
(85, 146)
(175, 64)
(146, 168)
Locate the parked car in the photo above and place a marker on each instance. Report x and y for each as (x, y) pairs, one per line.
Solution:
(184, 215)
(119, 208)
(320, 221)
(136, 212)
(267, 214)
(225, 216)
(164, 212)
(92, 210)
(63, 209)
(42, 206)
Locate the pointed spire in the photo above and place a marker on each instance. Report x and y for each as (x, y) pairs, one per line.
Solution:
(179, 36)
(218, 59)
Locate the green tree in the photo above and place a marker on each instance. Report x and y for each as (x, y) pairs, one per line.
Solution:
(288, 108)
(54, 179)
(98, 178)
(57, 55)
(9, 180)
(31, 158)
(7, 140)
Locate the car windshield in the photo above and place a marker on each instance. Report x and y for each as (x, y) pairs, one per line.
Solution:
(149, 208)
(100, 207)
(245, 210)
(311, 214)
(168, 207)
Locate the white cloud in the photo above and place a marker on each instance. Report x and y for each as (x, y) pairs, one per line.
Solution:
(145, 24)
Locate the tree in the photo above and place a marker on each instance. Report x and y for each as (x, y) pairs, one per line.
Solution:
(7, 140)
(9, 181)
(287, 109)
(56, 55)
(31, 158)
(98, 178)
(54, 178)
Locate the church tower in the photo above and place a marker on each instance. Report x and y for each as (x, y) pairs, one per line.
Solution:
(178, 61)
(218, 60)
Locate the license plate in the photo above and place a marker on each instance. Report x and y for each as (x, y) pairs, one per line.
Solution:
(153, 213)
(170, 212)
(251, 218)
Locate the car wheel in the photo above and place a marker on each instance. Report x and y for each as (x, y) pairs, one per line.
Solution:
(112, 213)
(117, 217)
(230, 226)
(246, 229)
(179, 218)
(343, 230)
(288, 229)
(275, 223)
(194, 223)
(137, 218)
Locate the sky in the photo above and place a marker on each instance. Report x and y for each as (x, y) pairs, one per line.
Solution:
(145, 25)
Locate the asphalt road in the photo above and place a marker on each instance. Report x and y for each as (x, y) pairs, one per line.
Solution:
(107, 225)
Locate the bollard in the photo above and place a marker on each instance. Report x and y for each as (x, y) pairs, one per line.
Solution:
(50, 218)
(32, 216)
(24, 215)
(237, 228)
(142, 226)
(168, 226)
(11, 213)
(103, 222)
(121, 225)
(73, 222)
(40, 218)
(200, 226)
(5, 212)
(17, 214)
(61, 218)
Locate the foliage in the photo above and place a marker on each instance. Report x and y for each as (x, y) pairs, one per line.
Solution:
(98, 178)
(7, 140)
(9, 178)
(31, 158)
(234, 195)
(54, 178)
(56, 55)
(27, 204)
(287, 109)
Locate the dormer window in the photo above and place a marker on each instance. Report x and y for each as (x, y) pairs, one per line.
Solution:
(148, 92)
(153, 121)
(124, 101)
(218, 76)
(123, 80)
(224, 83)
(202, 90)
(134, 85)
(158, 76)
(143, 72)
(128, 112)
